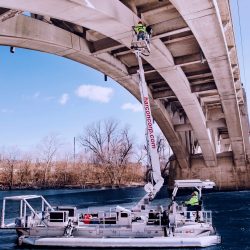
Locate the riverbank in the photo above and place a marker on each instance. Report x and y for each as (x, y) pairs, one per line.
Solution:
(86, 186)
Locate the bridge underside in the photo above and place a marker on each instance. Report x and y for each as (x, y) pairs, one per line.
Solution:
(192, 73)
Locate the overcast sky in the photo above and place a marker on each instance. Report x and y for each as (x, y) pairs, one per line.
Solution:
(42, 94)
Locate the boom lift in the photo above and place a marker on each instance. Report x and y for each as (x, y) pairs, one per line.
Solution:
(157, 182)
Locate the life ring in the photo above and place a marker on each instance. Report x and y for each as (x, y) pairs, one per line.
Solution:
(87, 218)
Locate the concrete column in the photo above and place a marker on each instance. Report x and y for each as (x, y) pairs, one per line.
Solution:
(225, 175)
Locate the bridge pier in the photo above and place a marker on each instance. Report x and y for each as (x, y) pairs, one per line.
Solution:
(226, 174)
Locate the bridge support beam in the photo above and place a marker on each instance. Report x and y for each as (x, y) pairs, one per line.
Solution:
(204, 22)
(226, 175)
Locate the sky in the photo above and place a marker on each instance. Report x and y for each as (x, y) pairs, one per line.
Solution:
(42, 94)
(240, 14)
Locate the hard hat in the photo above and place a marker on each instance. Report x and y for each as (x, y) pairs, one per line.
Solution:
(195, 193)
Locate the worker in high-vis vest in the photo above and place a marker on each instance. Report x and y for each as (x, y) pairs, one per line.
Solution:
(140, 30)
(194, 200)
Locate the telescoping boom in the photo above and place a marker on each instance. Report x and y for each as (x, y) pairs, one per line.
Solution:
(151, 189)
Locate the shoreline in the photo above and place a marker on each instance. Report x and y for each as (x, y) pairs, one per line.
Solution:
(99, 187)
(87, 186)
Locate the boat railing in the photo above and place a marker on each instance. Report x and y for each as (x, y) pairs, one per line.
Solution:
(207, 216)
(104, 219)
(202, 216)
(193, 214)
(114, 210)
(25, 206)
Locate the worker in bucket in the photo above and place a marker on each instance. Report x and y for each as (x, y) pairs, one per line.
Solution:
(140, 30)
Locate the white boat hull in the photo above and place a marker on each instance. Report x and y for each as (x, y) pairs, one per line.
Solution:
(156, 242)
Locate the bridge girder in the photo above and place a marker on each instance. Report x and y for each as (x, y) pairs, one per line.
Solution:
(182, 77)
(206, 25)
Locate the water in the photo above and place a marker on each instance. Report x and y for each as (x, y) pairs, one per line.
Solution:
(231, 211)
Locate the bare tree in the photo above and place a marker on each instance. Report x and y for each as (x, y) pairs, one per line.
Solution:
(10, 162)
(164, 152)
(111, 147)
(140, 154)
(65, 171)
(106, 160)
(24, 172)
(48, 148)
(38, 173)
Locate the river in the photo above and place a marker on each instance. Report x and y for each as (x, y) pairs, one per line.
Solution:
(231, 210)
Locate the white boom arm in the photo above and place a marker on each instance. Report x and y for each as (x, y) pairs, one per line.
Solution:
(152, 145)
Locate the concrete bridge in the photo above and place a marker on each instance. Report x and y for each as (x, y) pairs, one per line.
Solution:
(192, 73)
